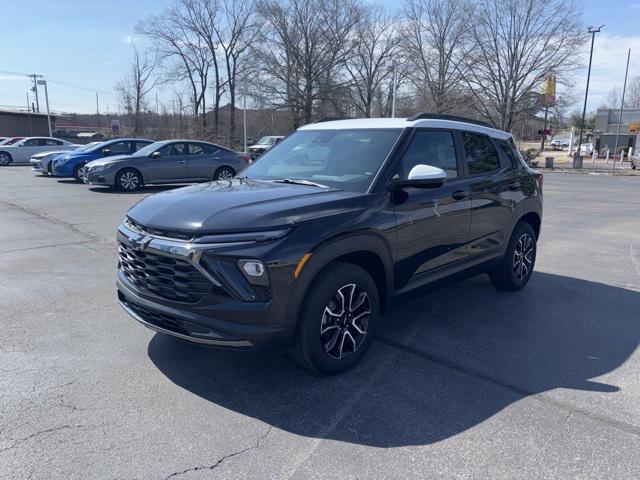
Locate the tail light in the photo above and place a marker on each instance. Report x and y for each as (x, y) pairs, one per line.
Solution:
(540, 179)
(246, 158)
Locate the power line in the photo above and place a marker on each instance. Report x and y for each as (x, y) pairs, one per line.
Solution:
(60, 82)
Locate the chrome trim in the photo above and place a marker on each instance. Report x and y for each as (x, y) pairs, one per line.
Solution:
(181, 249)
(205, 341)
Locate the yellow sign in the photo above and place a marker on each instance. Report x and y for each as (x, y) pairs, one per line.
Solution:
(634, 127)
(549, 90)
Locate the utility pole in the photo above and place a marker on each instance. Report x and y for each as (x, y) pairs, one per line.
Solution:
(244, 115)
(393, 99)
(97, 109)
(46, 96)
(29, 110)
(544, 129)
(35, 90)
(624, 91)
(577, 160)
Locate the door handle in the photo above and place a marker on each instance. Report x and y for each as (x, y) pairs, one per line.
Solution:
(459, 195)
(514, 185)
(182, 161)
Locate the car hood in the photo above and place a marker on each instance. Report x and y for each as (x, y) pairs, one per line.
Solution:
(108, 160)
(46, 154)
(241, 205)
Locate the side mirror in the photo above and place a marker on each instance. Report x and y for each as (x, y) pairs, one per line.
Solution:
(155, 154)
(423, 176)
(106, 152)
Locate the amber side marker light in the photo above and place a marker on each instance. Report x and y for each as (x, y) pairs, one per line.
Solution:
(301, 264)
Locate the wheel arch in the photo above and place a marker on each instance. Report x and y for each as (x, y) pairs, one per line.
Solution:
(367, 251)
(533, 219)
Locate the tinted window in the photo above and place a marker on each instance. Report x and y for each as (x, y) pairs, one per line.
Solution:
(481, 155)
(509, 149)
(175, 149)
(201, 149)
(34, 142)
(431, 148)
(139, 145)
(118, 148)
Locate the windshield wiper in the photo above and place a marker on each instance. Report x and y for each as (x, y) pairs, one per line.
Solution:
(300, 181)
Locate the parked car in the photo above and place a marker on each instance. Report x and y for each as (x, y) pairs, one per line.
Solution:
(22, 150)
(10, 140)
(41, 162)
(559, 143)
(320, 235)
(264, 144)
(72, 164)
(170, 161)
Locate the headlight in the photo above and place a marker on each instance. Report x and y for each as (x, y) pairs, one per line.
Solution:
(97, 168)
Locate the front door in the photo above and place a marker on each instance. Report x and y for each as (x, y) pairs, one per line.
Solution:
(202, 161)
(170, 166)
(432, 223)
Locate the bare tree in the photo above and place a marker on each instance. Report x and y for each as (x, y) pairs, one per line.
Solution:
(302, 47)
(516, 43)
(134, 87)
(174, 38)
(370, 64)
(614, 98)
(632, 98)
(436, 32)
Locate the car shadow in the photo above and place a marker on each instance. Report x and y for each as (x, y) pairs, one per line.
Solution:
(144, 189)
(441, 364)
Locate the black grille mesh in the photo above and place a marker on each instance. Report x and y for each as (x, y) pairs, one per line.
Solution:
(170, 278)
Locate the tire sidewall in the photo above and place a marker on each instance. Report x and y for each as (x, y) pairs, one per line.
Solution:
(318, 296)
(121, 172)
(216, 175)
(5, 159)
(508, 273)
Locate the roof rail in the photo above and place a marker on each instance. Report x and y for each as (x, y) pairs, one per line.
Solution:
(331, 119)
(440, 116)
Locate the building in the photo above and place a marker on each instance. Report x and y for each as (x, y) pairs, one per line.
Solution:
(24, 124)
(607, 121)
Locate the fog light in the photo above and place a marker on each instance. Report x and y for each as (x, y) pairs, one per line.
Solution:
(254, 271)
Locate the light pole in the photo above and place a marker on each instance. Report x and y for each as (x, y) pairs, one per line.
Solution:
(577, 159)
(244, 116)
(46, 96)
(624, 91)
(393, 100)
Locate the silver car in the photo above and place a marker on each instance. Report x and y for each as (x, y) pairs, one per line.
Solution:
(169, 161)
(21, 152)
(41, 162)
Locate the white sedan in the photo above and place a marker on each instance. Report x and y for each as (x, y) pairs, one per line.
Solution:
(21, 152)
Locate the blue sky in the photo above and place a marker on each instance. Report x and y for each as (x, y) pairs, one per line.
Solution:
(85, 43)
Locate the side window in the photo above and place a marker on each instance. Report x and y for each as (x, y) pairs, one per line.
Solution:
(119, 148)
(34, 142)
(175, 149)
(481, 156)
(430, 147)
(509, 149)
(139, 145)
(202, 149)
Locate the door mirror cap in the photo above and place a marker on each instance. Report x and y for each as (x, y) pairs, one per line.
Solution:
(106, 151)
(155, 154)
(423, 176)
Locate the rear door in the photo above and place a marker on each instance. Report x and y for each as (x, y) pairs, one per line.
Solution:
(25, 149)
(491, 185)
(432, 223)
(49, 144)
(203, 161)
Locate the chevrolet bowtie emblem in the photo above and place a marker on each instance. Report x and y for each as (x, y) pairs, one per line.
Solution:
(140, 244)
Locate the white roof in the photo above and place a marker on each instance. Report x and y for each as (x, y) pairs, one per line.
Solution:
(360, 123)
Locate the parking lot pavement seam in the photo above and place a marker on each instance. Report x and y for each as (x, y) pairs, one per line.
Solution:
(54, 220)
(571, 409)
(221, 460)
(53, 245)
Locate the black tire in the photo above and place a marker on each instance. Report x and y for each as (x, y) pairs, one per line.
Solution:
(128, 179)
(517, 264)
(5, 159)
(224, 173)
(76, 173)
(334, 351)
(49, 172)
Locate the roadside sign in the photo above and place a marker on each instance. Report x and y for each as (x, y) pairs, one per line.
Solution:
(115, 126)
(634, 127)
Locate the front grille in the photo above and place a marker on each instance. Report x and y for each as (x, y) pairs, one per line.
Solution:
(169, 278)
(164, 320)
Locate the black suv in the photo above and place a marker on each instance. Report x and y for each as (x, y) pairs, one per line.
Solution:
(327, 230)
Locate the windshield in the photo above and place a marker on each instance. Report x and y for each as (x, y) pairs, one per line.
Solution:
(89, 147)
(267, 141)
(11, 141)
(149, 149)
(345, 159)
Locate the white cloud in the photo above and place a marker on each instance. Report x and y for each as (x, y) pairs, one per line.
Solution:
(635, 6)
(128, 39)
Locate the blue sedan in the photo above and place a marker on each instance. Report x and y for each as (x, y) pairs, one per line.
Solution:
(71, 164)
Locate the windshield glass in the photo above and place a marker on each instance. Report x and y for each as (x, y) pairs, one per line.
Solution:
(89, 147)
(152, 147)
(345, 159)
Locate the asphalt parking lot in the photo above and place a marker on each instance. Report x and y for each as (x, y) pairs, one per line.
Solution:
(466, 382)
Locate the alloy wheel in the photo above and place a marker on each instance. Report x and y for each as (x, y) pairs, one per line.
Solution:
(4, 159)
(523, 257)
(129, 180)
(224, 174)
(345, 321)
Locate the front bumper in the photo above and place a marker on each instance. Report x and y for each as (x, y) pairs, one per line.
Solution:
(36, 166)
(228, 315)
(100, 177)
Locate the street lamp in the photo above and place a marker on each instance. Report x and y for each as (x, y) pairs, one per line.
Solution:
(577, 159)
(46, 96)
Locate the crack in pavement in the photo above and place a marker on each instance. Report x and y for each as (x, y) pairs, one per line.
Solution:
(223, 459)
(19, 441)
